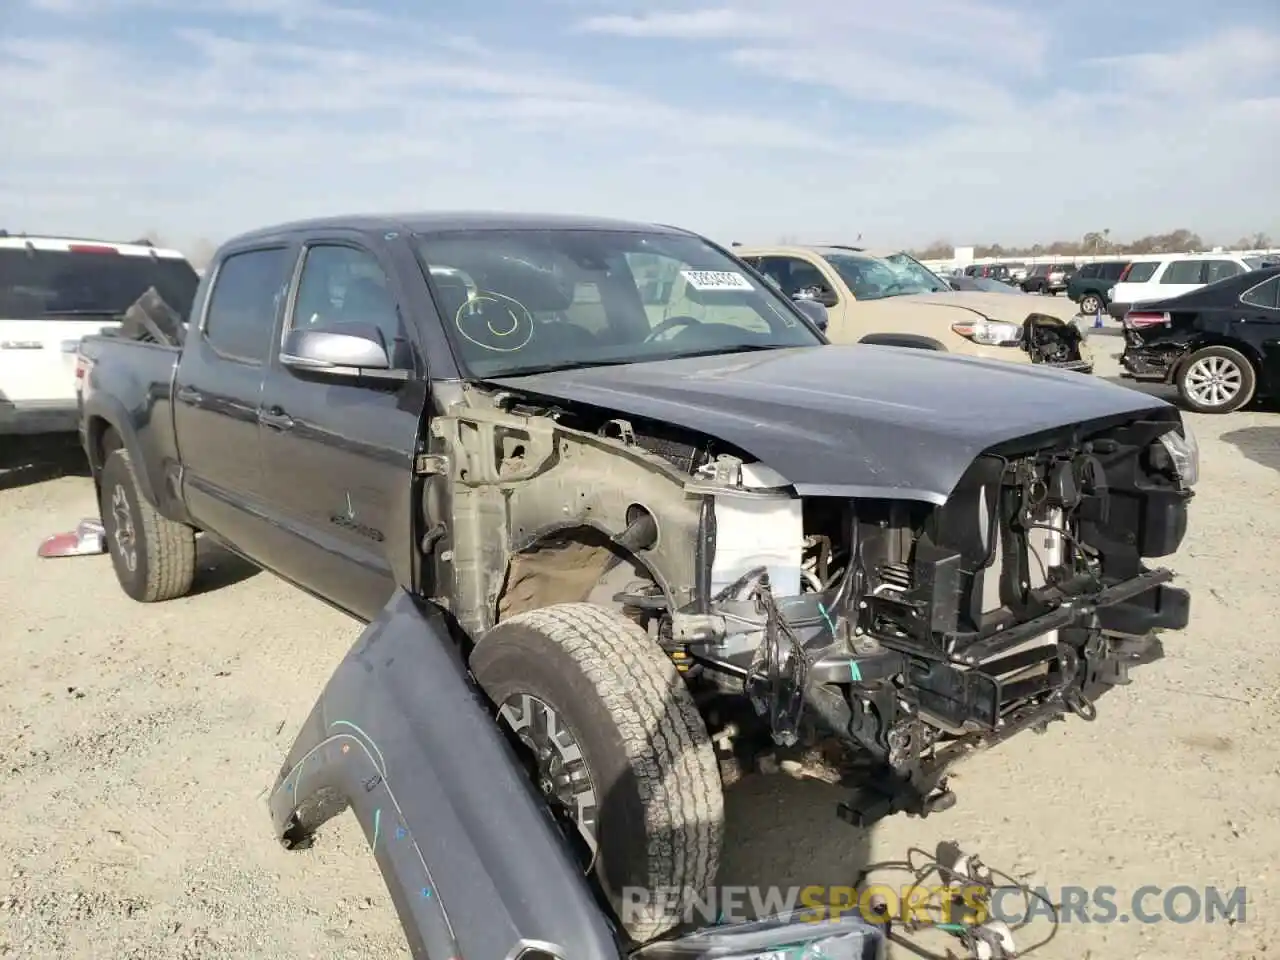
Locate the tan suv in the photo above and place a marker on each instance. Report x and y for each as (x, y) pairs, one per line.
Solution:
(888, 297)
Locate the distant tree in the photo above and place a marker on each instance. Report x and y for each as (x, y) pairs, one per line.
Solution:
(1254, 241)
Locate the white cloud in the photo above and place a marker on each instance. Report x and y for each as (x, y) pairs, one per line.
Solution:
(718, 23)
(907, 122)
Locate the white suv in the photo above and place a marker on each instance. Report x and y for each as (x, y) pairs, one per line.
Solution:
(1158, 277)
(54, 292)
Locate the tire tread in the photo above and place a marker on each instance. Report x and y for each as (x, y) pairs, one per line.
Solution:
(170, 546)
(667, 744)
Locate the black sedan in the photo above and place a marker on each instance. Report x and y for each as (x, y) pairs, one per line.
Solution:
(1219, 344)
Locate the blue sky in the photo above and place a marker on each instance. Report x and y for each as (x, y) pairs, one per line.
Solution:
(906, 122)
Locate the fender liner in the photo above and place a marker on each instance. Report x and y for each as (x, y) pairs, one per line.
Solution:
(913, 340)
(474, 861)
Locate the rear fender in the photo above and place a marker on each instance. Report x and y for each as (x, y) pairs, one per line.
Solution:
(473, 859)
(103, 414)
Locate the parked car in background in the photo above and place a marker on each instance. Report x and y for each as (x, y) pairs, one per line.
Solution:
(990, 271)
(982, 285)
(1261, 261)
(1034, 279)
(1059, 274)
(1090, 284)
(1047, 278)
(1160, 277)
(888, 297)
(53, 292)
(1217, 343)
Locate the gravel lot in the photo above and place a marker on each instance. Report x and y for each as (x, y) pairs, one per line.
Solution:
(137, 744)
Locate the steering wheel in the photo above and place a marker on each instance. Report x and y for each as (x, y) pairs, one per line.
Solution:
(670, 323)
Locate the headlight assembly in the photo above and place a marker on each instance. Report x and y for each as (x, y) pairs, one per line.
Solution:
(988, 333)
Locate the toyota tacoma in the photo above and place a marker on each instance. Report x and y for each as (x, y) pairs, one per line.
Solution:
(666, 529)
(889, 298)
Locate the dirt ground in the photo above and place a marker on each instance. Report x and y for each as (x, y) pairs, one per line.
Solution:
(137, 744)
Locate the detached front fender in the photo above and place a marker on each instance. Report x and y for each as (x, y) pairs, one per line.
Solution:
(471, 855)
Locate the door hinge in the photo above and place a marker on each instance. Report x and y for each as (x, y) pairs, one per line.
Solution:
(429, 464)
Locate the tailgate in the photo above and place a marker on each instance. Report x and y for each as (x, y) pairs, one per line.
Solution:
(38, 357)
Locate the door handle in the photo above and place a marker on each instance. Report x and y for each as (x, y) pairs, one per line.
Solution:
(189, 395)
(275, 418)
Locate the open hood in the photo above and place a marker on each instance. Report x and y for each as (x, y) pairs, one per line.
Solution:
(856, 421)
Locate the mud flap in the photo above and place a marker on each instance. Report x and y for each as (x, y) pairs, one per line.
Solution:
(474, 861)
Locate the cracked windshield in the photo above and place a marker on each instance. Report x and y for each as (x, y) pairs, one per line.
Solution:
(534, 301)
(874, 278)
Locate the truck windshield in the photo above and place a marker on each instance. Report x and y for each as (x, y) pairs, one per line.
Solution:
(533, 300)
(56, 284)
(910, 267)
(873, 278)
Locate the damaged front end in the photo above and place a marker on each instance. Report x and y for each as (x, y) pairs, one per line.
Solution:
(913, 632)
(1054, 343)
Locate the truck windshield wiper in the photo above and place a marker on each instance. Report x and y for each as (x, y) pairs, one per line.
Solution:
(567, 365)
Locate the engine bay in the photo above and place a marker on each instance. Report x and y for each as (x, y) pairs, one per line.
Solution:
(881, 638)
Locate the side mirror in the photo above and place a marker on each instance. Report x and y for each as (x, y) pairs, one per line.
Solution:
(816, 294)
(353, 353)
(815, 311)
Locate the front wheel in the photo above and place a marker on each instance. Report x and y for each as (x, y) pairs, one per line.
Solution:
(154, 557)
(1216, 380)
(1091, 304)
(612, 738)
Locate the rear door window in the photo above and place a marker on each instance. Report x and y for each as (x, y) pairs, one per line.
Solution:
(1183, 272)
(93, 282)
(244, 303)
(1265, 294)
(1111, 271)
(1215, 270)
(1141, 272)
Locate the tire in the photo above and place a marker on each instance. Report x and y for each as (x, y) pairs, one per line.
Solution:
(657, 813)
(1222, 367)
(1091, 304)
(154, 558)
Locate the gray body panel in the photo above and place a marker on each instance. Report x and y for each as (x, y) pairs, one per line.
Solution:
(868, 421)
(469, 852)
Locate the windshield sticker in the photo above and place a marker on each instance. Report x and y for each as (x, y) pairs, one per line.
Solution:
(711, 280)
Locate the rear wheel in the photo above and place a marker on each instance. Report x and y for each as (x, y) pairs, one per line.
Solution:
(614, 742)
(154, 558)
(1216, 380)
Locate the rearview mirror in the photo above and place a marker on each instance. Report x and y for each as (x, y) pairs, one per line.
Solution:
(815, 311)
(352, 353)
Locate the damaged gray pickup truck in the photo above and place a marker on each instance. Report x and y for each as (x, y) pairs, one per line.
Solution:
(661, 523)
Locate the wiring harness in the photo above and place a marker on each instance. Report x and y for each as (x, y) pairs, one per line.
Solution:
(958, 903)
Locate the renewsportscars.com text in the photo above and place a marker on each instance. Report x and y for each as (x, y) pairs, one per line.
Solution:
(876, 903)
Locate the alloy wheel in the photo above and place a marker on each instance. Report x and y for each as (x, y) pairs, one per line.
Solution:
(559, 766)
(1213, 381)
(124, 534)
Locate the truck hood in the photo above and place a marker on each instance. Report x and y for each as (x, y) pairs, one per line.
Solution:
(931, 314)
(851, 421)
(1002, 307)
